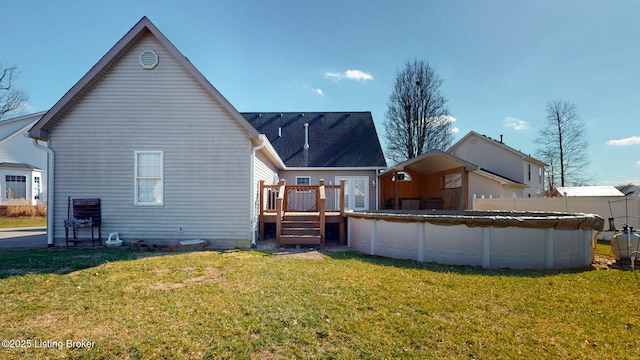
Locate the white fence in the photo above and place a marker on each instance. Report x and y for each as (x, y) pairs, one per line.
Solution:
(624, 210)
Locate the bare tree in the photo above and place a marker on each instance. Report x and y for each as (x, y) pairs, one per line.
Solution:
(11, 99)
(563, 144)
(417, 116)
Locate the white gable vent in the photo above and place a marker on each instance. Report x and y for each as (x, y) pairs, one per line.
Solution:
(148, 59)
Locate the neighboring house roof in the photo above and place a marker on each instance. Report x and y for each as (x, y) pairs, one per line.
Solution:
(18, 166)
(335, 139)
(629, 190)
(498, 143)
(501, 179)
(13, 126)
(144, 27)
(587, 191)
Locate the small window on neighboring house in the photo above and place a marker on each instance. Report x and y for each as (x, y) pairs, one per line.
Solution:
(36, 187)
(148, 178)
(540, 171)
(303, 180)
(529, 172)
(16, 187)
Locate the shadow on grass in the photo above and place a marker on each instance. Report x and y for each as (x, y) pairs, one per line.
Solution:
(440, 268)
(18, 262)
(61, 261)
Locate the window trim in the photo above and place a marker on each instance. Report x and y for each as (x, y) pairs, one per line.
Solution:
(136, 178)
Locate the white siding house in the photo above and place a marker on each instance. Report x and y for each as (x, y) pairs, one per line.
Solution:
(22, 164)
(497, 158)
(169, 157)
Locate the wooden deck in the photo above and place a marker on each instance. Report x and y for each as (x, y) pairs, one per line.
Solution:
(301, 213)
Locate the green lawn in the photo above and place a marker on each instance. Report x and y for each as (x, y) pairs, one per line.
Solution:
(252, 305)
(14, 222)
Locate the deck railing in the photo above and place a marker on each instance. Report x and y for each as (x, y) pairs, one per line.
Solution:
(300, 198)
(279, 199)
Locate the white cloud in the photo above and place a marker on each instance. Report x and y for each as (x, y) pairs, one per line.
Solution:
(633, 140)
(638, 162)
(455, 130)
(319, 92)
(515, 123)
(357, 75)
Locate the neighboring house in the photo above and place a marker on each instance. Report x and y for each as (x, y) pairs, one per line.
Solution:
(327, 145)
(438, 180)
(474, 166)
(501, 160)
(22, 164)
(170, 158)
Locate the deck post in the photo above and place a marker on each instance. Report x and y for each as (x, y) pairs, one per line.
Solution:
(396, 197)
(261, 212)
(321, 196)
(342, 182)
(342, 218)
(282, 192)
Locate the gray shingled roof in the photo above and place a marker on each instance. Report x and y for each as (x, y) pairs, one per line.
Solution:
(17, 166)
(336, 139)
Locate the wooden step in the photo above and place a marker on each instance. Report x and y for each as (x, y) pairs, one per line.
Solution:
(300, 231)
(301, 217)
(300, 240)
(300, 224)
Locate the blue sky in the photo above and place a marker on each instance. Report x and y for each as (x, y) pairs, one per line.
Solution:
(501, 61)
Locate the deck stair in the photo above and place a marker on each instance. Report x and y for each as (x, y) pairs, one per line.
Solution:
(301, 229)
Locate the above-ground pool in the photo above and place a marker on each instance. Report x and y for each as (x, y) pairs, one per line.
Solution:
(491, 239)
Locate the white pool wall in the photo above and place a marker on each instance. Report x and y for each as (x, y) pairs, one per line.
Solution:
(490, 247)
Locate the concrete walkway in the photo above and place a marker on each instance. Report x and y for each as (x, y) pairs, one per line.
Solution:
(29, 237)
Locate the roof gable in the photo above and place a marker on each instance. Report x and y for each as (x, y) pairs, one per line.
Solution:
(497, 143)
(336, 139)
(144, 27)
(14, 126)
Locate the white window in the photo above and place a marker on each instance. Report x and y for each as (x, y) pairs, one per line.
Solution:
(148, 177)
(303, 180)
(16, 187)
(36, 187)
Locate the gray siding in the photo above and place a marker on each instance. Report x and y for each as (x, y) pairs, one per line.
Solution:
(263, 170)
(206, 155)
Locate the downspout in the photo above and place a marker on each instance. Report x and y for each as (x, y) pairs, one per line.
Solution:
(252, 197)
(50, 188)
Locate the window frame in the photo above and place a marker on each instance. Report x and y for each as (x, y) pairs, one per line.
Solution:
(37, 186)
(303, 177)
(137, 178)
(14, 179)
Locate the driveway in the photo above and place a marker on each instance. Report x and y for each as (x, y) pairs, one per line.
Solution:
(31, 237)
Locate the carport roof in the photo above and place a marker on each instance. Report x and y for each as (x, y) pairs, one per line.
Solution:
(431, 162)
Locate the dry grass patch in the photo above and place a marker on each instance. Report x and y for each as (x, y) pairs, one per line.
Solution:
(250, 305)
